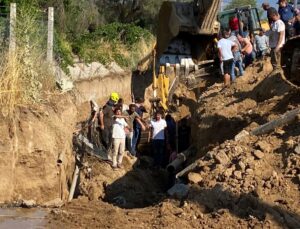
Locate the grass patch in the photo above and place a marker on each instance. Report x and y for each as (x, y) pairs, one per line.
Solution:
(116, 42)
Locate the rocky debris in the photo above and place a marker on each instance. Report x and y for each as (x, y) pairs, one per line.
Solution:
(240, 136)
(56, 203)
(221, 158)
(264, 146)
(28, 203)
(179, 191)
(238, 175)
(258, 154)
(297, 149)
(194, 178)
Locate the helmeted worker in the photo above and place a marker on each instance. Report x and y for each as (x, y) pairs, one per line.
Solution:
(106, 121)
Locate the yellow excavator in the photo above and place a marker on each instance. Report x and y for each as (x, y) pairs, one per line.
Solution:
(186, 32)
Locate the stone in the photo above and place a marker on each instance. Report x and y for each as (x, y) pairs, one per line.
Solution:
(28, 203)
(194, 178)
(241, 135)
(56, 203)
(221, 158)
(237, 175)
(258, 154)
(297, 149)
(228, 172)
(249, 171)
(241, 166)
(179, 191)
(264, 146)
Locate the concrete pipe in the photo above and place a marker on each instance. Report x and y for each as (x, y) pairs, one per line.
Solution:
(181, 158)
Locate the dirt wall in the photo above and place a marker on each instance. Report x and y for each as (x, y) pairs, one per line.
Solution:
(32, 142)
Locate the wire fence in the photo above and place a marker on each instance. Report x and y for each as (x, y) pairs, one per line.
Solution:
(33, 30)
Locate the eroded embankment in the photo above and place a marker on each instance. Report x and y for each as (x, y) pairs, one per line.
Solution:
(32, 142)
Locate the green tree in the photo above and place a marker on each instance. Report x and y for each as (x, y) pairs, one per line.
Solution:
(238, 3)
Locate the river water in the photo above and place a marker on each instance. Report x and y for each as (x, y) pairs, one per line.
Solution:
(22, 218)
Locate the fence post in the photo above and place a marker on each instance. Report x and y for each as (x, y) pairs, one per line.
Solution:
(50, 34)
(12, 27)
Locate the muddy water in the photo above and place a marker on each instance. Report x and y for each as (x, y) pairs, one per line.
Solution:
(22, 218)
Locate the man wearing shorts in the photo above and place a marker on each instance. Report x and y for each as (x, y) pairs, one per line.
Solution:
(225, 47)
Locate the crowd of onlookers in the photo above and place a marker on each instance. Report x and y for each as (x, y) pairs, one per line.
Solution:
(117, 127)
(238, 47)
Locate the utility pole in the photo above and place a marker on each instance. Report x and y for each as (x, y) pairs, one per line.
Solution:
(12, 27)
(50, 34)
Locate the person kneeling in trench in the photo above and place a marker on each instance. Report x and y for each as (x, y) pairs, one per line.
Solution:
(118, 135)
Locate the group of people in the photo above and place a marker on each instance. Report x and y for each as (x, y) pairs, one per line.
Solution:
(117, 126)
(239, 49)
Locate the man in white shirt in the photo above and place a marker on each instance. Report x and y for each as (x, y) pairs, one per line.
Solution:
(225, 47)
(276, 39)
(118, 136)
(158, 126)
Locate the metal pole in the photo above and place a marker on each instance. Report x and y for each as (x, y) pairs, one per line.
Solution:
(50, 34)
(295, 4)
(12, 27)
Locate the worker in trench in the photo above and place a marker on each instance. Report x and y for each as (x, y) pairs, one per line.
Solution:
(159, 133)
(131, 116)
(119, 128)
(106, 122)
(137, 128)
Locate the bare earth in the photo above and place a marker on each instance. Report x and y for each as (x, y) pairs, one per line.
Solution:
(251, 182)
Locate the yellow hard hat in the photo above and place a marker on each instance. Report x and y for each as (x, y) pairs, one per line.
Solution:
(114, 96)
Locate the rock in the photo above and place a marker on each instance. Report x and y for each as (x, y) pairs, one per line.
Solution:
(206, 169)
(221, 158)
(264, 146)
(237, 175)
(249, 171)
(228, 172)
(56, 203)
(194, 178)
(179, 191)
(258, 154)
(297, 149)
(28, 203)
(241, 166)
(241, 135)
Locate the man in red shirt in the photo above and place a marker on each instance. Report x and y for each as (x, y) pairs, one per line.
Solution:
(234, 24)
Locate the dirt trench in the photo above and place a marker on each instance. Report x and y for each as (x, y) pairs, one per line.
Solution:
(32, 142)
(253, 183)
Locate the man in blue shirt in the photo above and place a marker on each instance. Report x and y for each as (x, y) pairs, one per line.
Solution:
(287, 13)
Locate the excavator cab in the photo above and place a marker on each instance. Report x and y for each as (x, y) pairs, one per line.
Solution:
(248, 19)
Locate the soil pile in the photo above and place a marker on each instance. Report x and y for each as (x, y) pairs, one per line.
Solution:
(244, 182)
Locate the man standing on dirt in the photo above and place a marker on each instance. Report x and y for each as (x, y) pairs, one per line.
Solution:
(276, 39)
(159, 129)
(131, 117)
(106, 121)
(226, 57)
